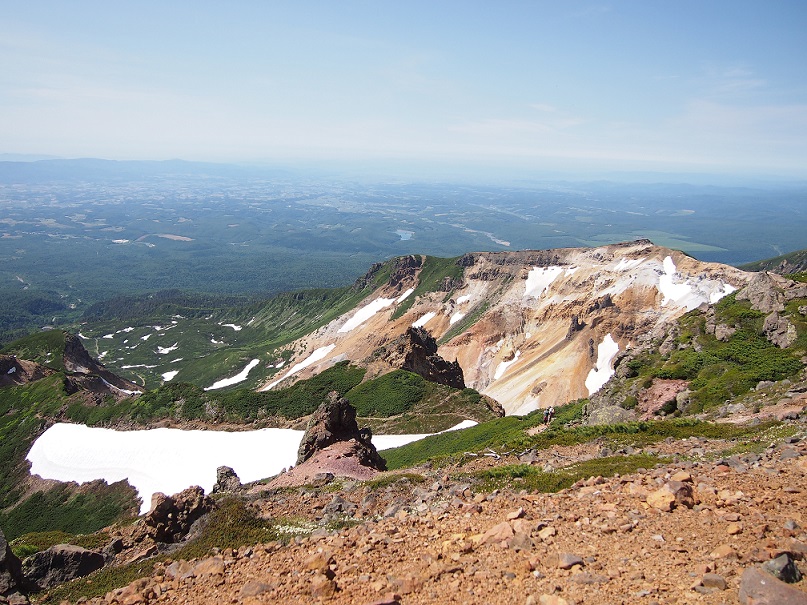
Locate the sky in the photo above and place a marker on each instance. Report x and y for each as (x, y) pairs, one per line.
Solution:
(642, 85)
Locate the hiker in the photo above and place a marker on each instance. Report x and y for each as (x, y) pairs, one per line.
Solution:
(546, 416)
(550, 414)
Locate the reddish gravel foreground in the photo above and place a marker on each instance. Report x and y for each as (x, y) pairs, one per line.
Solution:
(609, 541)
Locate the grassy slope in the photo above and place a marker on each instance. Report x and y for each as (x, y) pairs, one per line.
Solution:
(721, 371)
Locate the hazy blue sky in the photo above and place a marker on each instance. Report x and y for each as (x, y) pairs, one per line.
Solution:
(707, 85)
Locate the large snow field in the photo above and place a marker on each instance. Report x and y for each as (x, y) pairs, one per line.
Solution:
(169, 460)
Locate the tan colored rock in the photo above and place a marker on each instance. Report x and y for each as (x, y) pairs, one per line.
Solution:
(322, 586)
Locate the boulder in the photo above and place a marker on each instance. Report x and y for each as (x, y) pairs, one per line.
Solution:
(227, 481)
(779, 331)
(61, 563)
(335, 421)
(764, 292)
(171, 517)
(760, 588)
(610, 414)
(11, 578)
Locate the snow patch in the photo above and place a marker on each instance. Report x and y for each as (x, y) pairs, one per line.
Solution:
(74, 452)
(317, 355)
(365, 313)
(463, 299)
(403, 296)
(456, 317)
(502, 367)
(424, 320)
(626, 264)
(167, 350)
(108, 336)
(539, 279)
(233, 326)
(240, 377)
(146, 337)
(724, 290)
(602, 372)
(168, 376)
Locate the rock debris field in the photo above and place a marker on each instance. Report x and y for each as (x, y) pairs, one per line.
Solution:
(712, 532)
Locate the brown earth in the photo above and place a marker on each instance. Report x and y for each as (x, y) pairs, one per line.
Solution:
(609, 541)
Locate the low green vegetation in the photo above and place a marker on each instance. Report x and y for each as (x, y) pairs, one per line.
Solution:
(719, 371)
(388, 395)
(510, 434)
(46, 348)
(62, 508)
(531, 478)
(34, 542)
(231, 525)
(434, 272)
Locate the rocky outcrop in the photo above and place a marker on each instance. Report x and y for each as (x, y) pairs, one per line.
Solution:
(61, 563)
(18, 371)
(171, 517)
(11, 577)
(334, 421)
(77, 360)
(609, 414)
(416, 351)
(779, 330)
(227, 481)
(765, 292)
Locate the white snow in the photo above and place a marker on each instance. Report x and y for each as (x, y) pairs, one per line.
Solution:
(74, 452)
(167, 350)
(216, 342)
(108, 336)
(626, 264)
(12, 369)
(240, 377)
(126, 391)
(317, 355)
(233, 326)
(672, 292)
(365, 313)
(502, 367)
(146, 337)
(539, 279)
(404, 296)
(424, 320)
(137, 365)
(602, 372)
(724, 290)
(456, 317)
(168, 376)
(463, 299)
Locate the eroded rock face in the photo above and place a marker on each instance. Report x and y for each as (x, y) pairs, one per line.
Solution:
(171, 517)
(226, 480)
(416, 351)
(11, 578)
(61, 563)
(764, 292)
(779, 331)
(335, 420)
